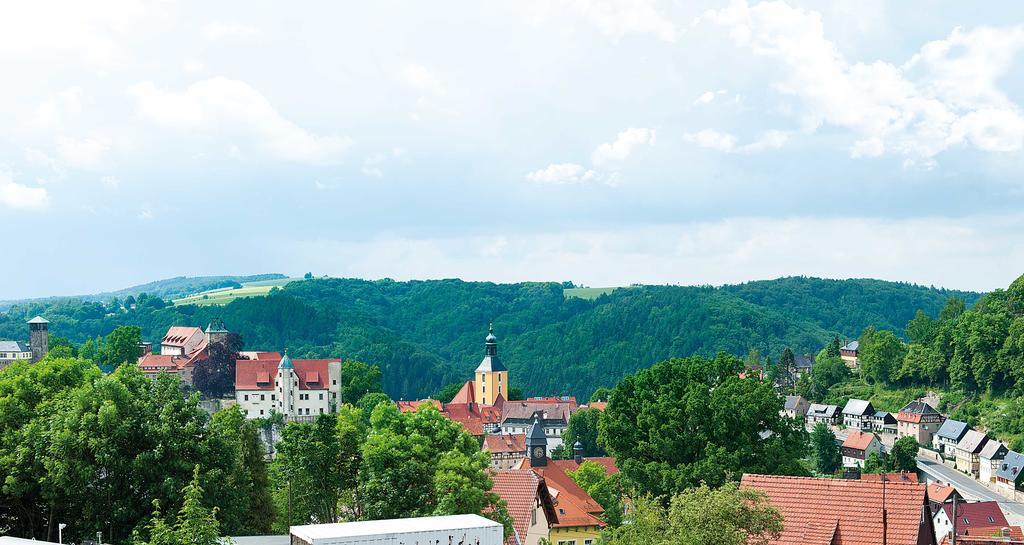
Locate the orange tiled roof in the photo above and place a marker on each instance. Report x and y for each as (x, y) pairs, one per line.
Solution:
(902, 476)
(466, 394)
(178, 335)
(858, 440)
(939, 493)
(986, 535)
(521, 489)
(573, 505)
(411, 406)
(599, 405)
(514, 442)
(826, 511)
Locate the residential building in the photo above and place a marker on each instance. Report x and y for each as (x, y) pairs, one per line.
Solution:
(1010, 474)
(298, 389)
(948, 436)
(491, 374)
(941, 494)
(36, 348)
(529, 504)
(989, 458)
(801, 365)
(891, 477)
(834, 511)
(506, 451)
(182, 348)
(918, 420)
(829, 414)
(519, 416)
(795, 407)
(858, 414)
(858, 446)
(969, 515)
(988, 535)
(181, 340)
(848, 353)
(883, 422)
(968, 452)
(473, 529)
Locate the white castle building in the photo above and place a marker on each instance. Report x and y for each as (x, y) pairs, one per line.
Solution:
(297, 389)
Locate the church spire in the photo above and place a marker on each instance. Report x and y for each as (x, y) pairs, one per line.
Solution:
(491, 342)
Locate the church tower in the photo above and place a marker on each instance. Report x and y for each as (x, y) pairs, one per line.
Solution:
(536, 444)
(38, 337)
(491, 374)
(286, 385)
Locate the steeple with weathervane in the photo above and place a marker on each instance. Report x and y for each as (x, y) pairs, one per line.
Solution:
(491, 374)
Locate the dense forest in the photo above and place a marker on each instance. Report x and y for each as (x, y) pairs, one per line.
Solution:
(425, 334)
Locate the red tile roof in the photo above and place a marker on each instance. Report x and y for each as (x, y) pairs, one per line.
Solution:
(179, 335)
(902, 476)
(573, 505)
(975, 514)
(985, 535)
(249, 374)
(939, 493)
(515, 442)
(599, 405)
(858, 440)
(466, 394)
(521, 489)
(827, 511)
(411, 406)
(570, 465)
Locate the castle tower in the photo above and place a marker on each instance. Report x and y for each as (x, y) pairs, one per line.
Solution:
(38, 337)
(536, 444)
(491, 374)
(286, 385)
(216, 332)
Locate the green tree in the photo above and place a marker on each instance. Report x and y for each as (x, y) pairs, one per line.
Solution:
(880, 354)
(370, 401)
(827, 371)
(787, 369)
(954, 308)
(515, 393)
(922, 328)
(122, 345)
(874, 464)
(445, 394)
(601, 394)
(827, 458)
(583, 427)
(686, 421)
(215, 376)
(359, 379)
(903, 455)
(306, 474)
(90, 351)
(606, 489)
(196, 524)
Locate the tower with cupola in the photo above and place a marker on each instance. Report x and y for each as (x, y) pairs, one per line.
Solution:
(285, 385)
(491, 375)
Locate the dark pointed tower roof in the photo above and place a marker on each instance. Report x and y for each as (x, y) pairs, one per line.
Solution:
(491, 363)
(535, 434)
(286, 362)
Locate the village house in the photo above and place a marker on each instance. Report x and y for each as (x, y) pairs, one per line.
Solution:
(918, 420)
(833, 511)
(528, 503)
(829, 414)
(969, 515)
(181, 349)
(883, 422)
(1010, 474)
(36, 348)
(506, 451)
(848, 353)
(801, 365)
(989, 458)
(941, 494)
(948, 437)
(519, 417)
(988, 535)
(858, 414)
(300, 390)
(858, 446)
(795, 407)
(968, 452)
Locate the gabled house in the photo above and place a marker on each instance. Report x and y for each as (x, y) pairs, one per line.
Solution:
(829, 414)
(858, 414)
(300, 390)
(848, 353)
(858, 446)
(506, 451)
(974, 515)
(948, 436)
(918, 420)
(795, 407)
(846, 512)
(801, 365)
(968, 452)
(1010, 474)
(529, 504)
(883, 422)
(991, 456)
(941, 494)
(519, 416)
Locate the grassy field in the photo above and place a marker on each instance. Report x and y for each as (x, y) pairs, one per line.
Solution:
(224, 296)
(586, 293)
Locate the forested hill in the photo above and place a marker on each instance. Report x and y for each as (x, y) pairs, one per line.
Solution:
(425, 334)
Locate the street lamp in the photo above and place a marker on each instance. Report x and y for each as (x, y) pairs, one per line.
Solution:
(60, 532)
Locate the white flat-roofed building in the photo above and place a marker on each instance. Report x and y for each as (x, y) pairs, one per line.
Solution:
(453, 529)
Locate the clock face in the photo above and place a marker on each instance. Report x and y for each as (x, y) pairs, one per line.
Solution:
(538, 452)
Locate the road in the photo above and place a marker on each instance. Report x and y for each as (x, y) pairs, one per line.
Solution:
(970, 488)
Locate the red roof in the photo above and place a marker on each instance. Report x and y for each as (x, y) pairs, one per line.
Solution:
(827, 511)
(902, 476)
(249, 374)
(573, 505)
(913, 418)
(466, 394)
(472, 416)
(858, 440)
(411, 406)
(571, 400)
(940, 493)
(985, 535)
(521, 489)
(599, 405)
(570, 465)
(975, 514)
(515, 442)
(179, 335)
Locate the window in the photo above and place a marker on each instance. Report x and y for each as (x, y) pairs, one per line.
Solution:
(321, 396)
(307, 410)
(263, 397)
(533, 516)
(588, 542)
(321, 410)
(261, 412)
(273, 397)
(245, 397)
(567, 542)
(334, 382)
(277, 383)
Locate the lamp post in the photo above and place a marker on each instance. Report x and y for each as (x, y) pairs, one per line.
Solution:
(60, 532)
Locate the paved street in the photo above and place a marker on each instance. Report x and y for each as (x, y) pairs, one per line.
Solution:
(970, 488)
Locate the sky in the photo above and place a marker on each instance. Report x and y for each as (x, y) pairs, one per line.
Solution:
(604, 142)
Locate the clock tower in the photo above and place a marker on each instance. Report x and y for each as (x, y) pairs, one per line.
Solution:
(536, 444)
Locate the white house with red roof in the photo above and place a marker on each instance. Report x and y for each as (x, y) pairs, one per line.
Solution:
(297, 389)
(180, 350)
(858, 446)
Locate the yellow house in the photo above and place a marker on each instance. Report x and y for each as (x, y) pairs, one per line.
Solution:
(491, 375)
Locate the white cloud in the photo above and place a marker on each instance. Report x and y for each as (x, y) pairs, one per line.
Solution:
(145, 214)
(725, 142)
(944, 95)
(707, 97)
(371, 171)
(623, 145)
(614, 18)
(82, 153)
(320, 186)
(421, 78)
(563, 173)
(15, 195)
(216, 32)
(110, 182)
(225, 104)
(56, 110)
